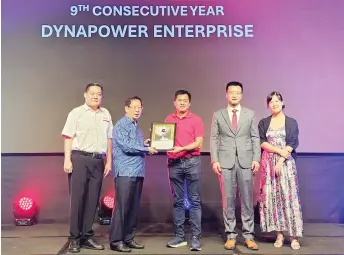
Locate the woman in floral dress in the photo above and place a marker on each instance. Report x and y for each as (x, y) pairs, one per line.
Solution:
(280, 208)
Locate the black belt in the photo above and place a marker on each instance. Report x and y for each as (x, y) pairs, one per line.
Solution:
(95, 155)
(179, 160)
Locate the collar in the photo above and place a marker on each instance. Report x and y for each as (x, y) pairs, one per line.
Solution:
(87, 108)
(130, 120)
(188, 115)
(238, 108)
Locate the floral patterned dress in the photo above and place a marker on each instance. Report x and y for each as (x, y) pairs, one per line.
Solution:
(280, 207)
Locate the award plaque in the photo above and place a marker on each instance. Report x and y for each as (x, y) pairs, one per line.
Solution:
(162, 136)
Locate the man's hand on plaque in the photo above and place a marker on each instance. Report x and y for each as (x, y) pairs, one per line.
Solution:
(147, 142)
(152, 150)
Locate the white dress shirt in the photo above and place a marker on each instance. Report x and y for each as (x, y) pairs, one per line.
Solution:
(230, 111)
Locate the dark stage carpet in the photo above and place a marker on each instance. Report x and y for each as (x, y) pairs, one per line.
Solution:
(51, 239)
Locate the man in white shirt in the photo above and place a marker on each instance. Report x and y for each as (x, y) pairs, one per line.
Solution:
(88, 152)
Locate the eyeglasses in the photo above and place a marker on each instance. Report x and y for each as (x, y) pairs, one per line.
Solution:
(136, 107)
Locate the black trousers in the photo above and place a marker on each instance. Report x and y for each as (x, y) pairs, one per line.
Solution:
(128, 192)
(85, 183)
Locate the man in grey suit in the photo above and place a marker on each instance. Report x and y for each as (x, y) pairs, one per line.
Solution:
(235, 156)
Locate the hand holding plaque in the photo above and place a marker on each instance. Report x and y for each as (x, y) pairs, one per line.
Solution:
(162, 136)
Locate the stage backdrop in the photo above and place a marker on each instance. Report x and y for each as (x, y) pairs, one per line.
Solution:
(294, 47)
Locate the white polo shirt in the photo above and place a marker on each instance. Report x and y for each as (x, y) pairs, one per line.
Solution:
(90, 130)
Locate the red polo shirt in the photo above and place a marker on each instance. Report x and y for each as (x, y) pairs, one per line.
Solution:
(187, 129)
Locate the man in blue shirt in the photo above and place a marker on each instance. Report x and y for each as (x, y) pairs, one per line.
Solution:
(129, 151)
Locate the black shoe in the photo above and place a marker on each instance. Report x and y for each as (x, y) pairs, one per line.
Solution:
(91, 244)
(74, 246)
(119, 247)
(135, 245)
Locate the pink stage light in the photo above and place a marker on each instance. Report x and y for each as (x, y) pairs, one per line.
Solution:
(26, 203)
(24, 211)
(105, 209)
(109, 201)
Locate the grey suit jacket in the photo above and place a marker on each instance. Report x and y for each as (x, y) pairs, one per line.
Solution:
(225, 144)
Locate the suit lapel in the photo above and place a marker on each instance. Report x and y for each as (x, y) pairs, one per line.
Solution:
(242, 118)
(225, 115)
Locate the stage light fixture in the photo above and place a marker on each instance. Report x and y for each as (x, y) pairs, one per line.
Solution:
(186, 203)
(105, 209)
(24, 211)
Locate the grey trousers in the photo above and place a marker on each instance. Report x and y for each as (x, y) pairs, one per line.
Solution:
(229, 180)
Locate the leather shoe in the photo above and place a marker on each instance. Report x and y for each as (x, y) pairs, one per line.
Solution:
(251, 244)
(230, 244)
(119, 247)
(74, 246)
(91, 244)
(135, 245)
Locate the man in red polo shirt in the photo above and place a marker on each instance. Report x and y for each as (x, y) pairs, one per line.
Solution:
(184, 164)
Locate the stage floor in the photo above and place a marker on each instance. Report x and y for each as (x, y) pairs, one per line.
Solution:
(51, 239)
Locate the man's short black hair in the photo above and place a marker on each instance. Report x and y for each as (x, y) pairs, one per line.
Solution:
(182, 92)
(130, 99)
(234, 83)
(93, 84)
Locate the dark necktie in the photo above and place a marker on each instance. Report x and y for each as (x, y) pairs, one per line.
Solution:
(234, 120)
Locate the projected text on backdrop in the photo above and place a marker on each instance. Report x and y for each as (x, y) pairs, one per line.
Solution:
(145, 31)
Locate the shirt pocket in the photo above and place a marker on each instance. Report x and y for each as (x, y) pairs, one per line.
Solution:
(83, 125)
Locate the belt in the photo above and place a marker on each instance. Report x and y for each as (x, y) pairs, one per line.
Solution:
(95, 155)
(179, 160)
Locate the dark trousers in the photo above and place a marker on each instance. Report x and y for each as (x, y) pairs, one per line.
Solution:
(188, 170)
(85, 183)
(124, 220)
